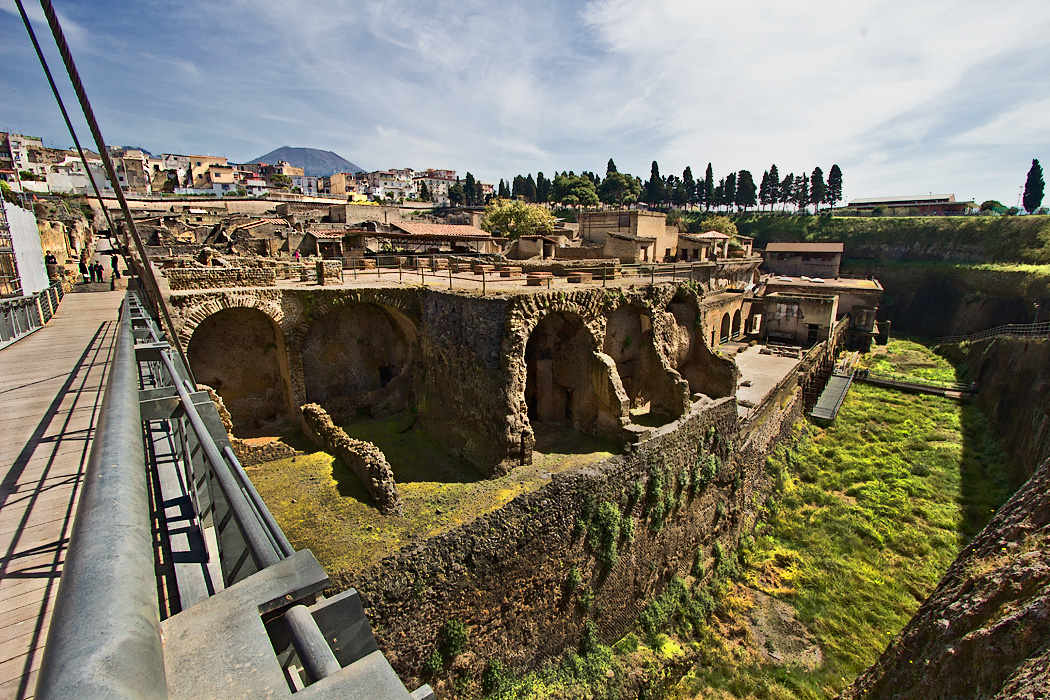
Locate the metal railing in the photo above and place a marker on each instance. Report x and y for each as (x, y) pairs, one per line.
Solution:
(1012, 330)
(23, 315)
(159, 447)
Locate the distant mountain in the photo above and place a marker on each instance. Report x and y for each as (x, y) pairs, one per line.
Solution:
(313, 161)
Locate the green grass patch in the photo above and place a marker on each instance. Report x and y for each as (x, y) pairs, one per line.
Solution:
(323, 507)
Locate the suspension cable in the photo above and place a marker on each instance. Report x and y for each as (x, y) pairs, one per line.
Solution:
(65, 115)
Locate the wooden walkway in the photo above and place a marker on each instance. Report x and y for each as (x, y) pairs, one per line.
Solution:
(51, 387)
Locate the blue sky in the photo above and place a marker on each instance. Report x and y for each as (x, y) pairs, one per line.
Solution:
(907, 97)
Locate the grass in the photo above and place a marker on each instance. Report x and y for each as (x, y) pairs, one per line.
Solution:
(866, 517)
(323, 507)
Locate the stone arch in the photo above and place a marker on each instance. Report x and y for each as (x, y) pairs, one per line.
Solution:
(360, 356)
(568, 381)
(630, 340)
(736, 324)
(271, 308)
(240, 352)
(689, 354)
(725, 329)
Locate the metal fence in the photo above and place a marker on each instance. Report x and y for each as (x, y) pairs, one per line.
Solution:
(1011, 330)
(23, 315)
(167, 525)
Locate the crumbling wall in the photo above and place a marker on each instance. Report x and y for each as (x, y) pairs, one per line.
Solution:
(690, 353)
(362, 458)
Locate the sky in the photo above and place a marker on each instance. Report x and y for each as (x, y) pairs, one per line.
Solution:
(906, 96)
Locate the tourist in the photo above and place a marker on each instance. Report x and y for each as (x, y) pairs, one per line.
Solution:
(84, 270)
(114, 262)
(50, 259)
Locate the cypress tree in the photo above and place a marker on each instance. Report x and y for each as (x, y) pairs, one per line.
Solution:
(729, 193)
(689, 185)
(469, 190)
(787, 188)
(610, 168)
(774, 185)
(709, 188)
(817, 190)
(1033, 188)
(800, 193)
(654, 189)
(834, 193)
(745, 190)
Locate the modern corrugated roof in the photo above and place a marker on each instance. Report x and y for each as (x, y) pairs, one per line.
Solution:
(441, 230)
(629, 237)
(804, 247)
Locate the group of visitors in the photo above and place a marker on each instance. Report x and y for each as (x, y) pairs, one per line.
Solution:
(94, 272)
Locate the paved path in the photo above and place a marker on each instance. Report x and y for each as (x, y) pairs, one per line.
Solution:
(51, 386)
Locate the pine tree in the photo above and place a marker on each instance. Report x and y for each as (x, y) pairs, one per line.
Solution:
(424, 192)
(502, 192)
(745, 190)
(530, 189)
(834, 193)
(763, 189)
(729, 193)
(719, 192)
(1033, 188)
(610, 168)
(817, 189)
(709, 188)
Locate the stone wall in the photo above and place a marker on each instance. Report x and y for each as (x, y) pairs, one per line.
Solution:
(505, 574)
(362, 458)
(184, 278)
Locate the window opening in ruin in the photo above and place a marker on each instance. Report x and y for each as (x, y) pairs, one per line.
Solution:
(736, 324)
(725, 329)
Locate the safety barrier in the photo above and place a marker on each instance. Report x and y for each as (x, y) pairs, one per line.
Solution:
(21, 316)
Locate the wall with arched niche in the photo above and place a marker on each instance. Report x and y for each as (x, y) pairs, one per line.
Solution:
(691, 355)
(240, 353)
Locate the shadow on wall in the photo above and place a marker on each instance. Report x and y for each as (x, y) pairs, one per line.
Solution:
(240, 353)
(360, 358)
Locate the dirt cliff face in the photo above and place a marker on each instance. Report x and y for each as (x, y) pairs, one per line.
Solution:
(1014, 377)
(985, 631)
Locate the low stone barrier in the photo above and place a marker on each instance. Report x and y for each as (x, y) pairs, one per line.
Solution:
(363, 458)
(183, 278)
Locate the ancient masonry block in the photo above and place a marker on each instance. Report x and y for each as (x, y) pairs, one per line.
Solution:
(363, 458)
(182, 278)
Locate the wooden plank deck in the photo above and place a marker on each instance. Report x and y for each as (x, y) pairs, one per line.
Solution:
(51, 387)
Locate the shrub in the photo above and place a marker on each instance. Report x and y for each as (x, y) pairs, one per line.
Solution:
(492, 677)
(628, 529)
(434, 665)
(453, 637)
(637, 491)
(573, 579)
(589, 642)
(604, 533)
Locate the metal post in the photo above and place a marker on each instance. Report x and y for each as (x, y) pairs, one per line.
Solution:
(399, 269)
(450, 277)
(482, 281)
(422, 271)
(314, 650)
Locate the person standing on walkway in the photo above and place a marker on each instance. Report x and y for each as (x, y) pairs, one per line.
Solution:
(114, 262)
(101, 272)
(84, 270)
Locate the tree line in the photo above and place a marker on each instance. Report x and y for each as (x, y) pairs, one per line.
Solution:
(735, 191)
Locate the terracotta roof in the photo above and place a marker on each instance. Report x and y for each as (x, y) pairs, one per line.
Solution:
(328, 235)
(441, 230)
(629, 237)
(694, 238)
(712, 235)
(804, 247)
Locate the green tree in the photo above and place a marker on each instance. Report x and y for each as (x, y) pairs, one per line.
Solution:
(654, 188)
(424, 191)
(763, 189)
(745, 190)
(774, 185)
(470, 191)
(543, 188)
(709, 187)
(514, 218)
(787, 188)
(800, 193)
(456, 195)
(501, 191)
(1033, 188)
(610, 168)
(716, 222)
(689, 185)
(280, 181)
(729, 192)
(834, 193)
(818, 191)
(580, 187)
(614, 188)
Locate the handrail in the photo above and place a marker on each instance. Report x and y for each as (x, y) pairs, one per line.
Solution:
(1019, 330)
(104, 639)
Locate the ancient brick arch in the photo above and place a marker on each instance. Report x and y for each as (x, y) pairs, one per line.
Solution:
(690, 354)
(634, 336)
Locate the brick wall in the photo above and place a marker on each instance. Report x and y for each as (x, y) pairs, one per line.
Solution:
(219, 277)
